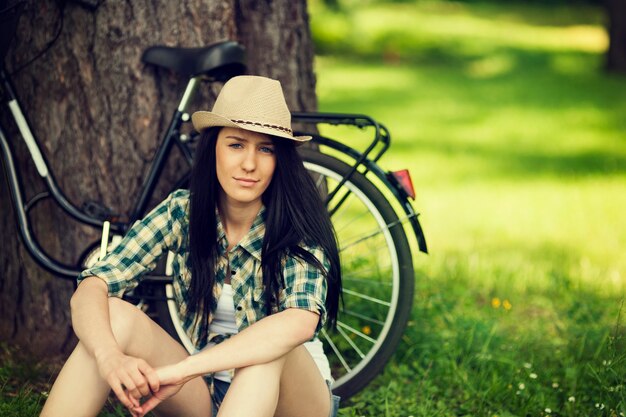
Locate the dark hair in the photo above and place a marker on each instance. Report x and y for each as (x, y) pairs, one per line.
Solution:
(295, 215)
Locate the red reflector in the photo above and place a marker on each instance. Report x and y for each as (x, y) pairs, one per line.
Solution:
(404, 179)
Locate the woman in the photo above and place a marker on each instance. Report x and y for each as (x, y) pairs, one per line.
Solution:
(256, 276)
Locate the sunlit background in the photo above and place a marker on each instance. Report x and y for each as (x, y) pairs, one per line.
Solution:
(515, 137)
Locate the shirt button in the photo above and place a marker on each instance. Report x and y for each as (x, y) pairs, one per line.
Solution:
(239, 308)
(233, 271)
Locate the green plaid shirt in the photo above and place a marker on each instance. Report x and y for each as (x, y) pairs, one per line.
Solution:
(166, 229)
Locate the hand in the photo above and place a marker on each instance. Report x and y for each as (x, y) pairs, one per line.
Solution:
(130, 378)
(171, 381)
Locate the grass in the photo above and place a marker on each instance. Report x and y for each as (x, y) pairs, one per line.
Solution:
(24, 384)
(515, 140)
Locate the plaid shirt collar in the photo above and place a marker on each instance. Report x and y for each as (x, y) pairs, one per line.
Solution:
(252, 242)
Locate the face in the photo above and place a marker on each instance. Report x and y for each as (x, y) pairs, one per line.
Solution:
(245, 163)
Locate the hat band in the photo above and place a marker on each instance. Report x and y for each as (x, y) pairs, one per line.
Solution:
(281, 128)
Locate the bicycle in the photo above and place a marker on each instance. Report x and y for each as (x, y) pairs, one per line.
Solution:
(369, 208)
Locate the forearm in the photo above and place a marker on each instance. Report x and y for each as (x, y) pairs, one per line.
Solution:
(90, 317)
(264, 341)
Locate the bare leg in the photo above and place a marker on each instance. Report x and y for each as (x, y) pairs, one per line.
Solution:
(79, 390)
(291, 386)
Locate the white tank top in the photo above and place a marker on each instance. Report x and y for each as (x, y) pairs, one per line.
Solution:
(224, 323)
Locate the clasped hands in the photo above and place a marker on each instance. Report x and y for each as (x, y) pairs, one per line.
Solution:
(133, 379)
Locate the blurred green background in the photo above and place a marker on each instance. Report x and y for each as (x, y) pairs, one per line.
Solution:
(515, 138)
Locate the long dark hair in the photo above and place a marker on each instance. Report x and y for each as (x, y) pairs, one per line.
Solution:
(295, 215)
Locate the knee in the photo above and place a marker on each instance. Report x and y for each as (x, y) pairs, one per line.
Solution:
(263, 371)
(122, 316)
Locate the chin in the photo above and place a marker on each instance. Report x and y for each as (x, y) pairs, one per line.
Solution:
(245, 199)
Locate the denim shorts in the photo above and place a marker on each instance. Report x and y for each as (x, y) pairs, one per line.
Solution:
(220, 388)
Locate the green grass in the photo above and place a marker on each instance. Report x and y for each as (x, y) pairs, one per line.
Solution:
(515, 140)
(25, 382)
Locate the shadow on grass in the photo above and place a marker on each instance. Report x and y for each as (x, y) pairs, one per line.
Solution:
(509, 162)
(534, 79)
(524, 96)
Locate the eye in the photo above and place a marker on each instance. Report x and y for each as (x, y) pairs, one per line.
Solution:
(235, 145)
(267, 149)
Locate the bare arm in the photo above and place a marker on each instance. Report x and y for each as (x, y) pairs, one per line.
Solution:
(262, 342)
(92, 324)
(90, 317)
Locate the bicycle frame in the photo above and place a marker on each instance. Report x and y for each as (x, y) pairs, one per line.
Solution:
(172, 138)
(118, 226)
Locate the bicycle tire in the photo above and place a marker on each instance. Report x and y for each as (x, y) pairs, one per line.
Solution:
(367, 365)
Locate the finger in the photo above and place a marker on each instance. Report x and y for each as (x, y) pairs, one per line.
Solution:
(134, 401)
(136, 412)
(150, 404)
(140, 381)
(121, 395)
(151, 376)
(129, 384)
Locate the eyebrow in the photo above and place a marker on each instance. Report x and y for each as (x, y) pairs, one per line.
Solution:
(240, 139)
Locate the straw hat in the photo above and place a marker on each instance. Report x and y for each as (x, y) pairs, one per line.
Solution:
(251, 103)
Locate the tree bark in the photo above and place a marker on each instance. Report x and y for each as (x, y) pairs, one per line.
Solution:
(616, 55)
(98, 113)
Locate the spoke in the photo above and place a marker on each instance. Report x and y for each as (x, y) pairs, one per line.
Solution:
(356, 332)
(367, 297)
(374, 233)
(334, 348)
(367, 253)
(363, 317)
(366, 281)
(350, 217)
(361, 239)
(354, 346)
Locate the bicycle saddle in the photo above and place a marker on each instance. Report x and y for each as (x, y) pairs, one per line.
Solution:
(219, 61)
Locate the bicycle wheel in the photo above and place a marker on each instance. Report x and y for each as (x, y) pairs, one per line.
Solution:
(377, 274)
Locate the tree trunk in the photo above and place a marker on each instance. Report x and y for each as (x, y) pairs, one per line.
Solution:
(616, 55)
(98, 113)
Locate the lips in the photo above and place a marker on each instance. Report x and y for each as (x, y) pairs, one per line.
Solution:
(246, 182)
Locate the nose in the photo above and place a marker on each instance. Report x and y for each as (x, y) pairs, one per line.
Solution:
(249, 162)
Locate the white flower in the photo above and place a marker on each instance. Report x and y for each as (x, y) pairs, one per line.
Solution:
(528, 365)
(548, 411)
(555, 385)
(572, 399)
(533, 375)
(521, 386)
